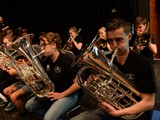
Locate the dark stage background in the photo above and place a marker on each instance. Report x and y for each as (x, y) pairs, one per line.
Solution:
(59, 15)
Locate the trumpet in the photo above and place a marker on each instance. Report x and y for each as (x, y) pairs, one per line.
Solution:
(69, 45)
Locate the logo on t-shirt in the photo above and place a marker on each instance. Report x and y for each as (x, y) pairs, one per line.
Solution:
(131, 77)
(48, 68)
(57, 69)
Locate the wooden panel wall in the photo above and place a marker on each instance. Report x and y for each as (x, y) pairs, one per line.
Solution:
(155, 24)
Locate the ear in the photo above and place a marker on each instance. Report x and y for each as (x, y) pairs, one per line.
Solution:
(53, 45)
(129, 36)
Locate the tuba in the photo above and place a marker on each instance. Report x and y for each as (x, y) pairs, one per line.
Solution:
(31, 72)
(109, 85)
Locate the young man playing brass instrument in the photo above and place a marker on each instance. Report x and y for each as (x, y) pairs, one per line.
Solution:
(145, 43)
(136, 68)
(16, 89)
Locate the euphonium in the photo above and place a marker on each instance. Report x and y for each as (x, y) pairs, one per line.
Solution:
(32, 73)
(4, 59)
(5, 56)
(109, 84)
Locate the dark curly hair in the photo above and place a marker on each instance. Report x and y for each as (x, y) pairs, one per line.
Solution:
(54, 38)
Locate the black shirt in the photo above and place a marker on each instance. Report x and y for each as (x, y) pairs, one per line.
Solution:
(3, 25)
(59, 71)
(75, 51)
(146, 52)
(139, 70)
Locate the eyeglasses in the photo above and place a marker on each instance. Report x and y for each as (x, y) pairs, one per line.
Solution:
(44, 44)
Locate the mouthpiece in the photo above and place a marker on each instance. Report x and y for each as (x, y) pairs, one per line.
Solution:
(38, 54)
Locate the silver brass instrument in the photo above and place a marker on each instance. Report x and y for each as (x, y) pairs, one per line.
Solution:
(68, 46)
(32, 73)
(4, 59)
(5, 56)
(109, 85)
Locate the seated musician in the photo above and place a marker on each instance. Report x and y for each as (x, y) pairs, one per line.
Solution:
(149, 48)
(58, 67)
(136, 68)
(16, 89)
(75, 42)
(102, 41)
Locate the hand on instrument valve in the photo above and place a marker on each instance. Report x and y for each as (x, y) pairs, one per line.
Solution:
(107, 107)
(13, 71)
(92, 77)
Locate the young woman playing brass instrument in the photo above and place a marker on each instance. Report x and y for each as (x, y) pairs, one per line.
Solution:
(75, 42)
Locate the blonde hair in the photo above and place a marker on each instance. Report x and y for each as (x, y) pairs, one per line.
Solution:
(102, 28)
(74, 29)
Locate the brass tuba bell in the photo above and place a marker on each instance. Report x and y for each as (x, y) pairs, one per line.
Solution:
(111, 85)
(32, 73)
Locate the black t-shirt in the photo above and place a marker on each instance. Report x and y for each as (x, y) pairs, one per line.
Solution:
(75, 51)
(146, 52)
(139, 70)
(3, 25)
(59, 71)
(102, 43)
